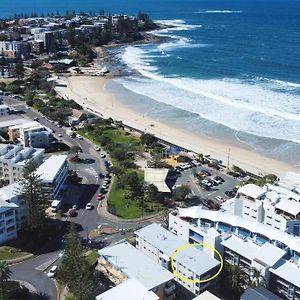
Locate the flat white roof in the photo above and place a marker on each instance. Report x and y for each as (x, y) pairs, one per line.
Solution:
(259, 293)
(251, 190)
(269, 254)
(290, 206)
(49, 169)
(207, 296)
(12, 122)
(137, 265)
(196, 260)
(243, 247)
(131, 289)
(197, 212)
(288, 271)
(157, 177)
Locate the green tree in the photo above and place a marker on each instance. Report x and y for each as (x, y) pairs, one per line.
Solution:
(5, 275)
(256, 279)
(118, 171)
(32, 193)
(152, 192)
(19, 69)
(75, 271)
(148, 139)
(182, 192)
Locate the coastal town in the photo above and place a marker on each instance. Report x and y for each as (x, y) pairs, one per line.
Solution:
(99, 201)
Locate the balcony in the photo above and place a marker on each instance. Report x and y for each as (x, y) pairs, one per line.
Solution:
(169, 289)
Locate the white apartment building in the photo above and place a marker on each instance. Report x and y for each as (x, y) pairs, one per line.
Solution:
(14, 49)
(12, 212)
(4, 110)
(246, 243)
(13, 158)
(159, 244)
(31, 134)
(272, 205)
(123, 262)
(53, 173)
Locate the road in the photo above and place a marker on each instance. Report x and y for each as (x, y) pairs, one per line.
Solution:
(34, 272)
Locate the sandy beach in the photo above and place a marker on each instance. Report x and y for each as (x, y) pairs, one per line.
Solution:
(90, 92)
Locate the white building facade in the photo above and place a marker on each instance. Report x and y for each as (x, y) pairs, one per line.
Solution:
(246, 243)
(159, 244)
(53, 173)
(12, 212)
(13, 158)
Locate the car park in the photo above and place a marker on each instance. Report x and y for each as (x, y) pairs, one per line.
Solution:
(51, 273)
(89, 206)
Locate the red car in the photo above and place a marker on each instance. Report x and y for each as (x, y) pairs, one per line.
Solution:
(72, 212)
(99, 197)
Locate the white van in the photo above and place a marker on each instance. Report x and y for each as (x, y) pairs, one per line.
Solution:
(56, 205)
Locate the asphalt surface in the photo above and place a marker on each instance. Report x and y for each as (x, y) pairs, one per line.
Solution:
(34, 272)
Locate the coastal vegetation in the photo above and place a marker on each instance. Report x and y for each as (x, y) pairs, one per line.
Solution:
(8, 253)
(129, 197)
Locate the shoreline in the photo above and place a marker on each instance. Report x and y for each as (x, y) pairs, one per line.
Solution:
(91, 93)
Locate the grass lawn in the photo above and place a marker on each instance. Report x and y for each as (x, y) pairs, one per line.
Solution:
(127, 208)
(7, 253)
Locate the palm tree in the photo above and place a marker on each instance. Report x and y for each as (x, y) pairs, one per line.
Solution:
(5, 275)
(256, 279)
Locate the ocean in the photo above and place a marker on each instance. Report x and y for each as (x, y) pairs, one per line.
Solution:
(230, 69)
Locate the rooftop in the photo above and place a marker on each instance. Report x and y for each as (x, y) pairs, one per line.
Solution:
(243, 247)
(251, 190)
(131, 289)
(197, 261)
(288, 271)
(10, 120)
(206, 296)
(290, 206)
(137, 265)
(49, 169)
(158, 178)
(269, 254)
(197, 212)
(258, 293)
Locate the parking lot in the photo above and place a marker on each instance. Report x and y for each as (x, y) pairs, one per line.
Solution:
(200, 195)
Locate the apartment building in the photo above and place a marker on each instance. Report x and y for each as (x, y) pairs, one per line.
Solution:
(4, 110)
(13, 158)
(272, 205)
(31, 134)
(53, 173)
(123, 262)
(14, 49)
(159, 244)
(12, 212)
(247, 244)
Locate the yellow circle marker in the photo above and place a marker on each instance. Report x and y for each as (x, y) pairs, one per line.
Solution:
(196, 280)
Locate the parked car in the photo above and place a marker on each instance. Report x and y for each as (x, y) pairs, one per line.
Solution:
(36, 119)
(99, 196)
(89, 206)
(51, 273)
(97, 148)
(101, 175)
(72, 212)
(102, 155)
(221, 199)
(79, 137)
(74, 207)
(60, 135)
(220, 178)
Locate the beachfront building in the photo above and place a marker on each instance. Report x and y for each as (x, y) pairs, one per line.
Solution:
(9, 121)
(123, 262)
(161, 178)
(159, 244)
(13, 158)
(271, 205)
(247, 244)
(12, 212)
(53, 173)
(31, 134)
